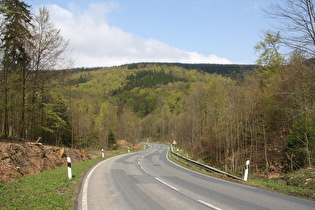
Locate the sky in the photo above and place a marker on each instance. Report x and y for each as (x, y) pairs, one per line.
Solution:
(115, 32)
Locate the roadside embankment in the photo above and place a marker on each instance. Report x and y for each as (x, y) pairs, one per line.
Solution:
(19, 159)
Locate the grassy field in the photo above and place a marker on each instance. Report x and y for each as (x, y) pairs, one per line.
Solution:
(46, 190)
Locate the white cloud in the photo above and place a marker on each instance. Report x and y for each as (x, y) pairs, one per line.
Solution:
(95, 43)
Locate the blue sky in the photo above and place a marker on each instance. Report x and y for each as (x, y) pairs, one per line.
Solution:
(106, 33)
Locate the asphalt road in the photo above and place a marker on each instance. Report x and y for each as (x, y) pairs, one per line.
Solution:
(148, 180)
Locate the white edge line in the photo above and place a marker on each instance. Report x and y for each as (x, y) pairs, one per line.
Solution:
(85, 188)
(209, 205)
(87, 179)
(174, 188)
(84, 204)
(222, 180)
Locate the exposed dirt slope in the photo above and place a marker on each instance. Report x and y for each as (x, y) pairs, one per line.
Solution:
(19, 159)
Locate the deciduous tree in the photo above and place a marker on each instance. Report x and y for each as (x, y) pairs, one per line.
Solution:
(297, 24)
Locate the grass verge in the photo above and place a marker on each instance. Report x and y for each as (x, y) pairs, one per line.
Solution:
(50, 189)
(300, 183)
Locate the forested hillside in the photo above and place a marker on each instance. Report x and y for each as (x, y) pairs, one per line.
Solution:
(219, 120)
(229, 70)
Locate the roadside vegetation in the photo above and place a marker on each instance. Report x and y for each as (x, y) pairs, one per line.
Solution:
(51, 189)
(300, 183)
(46, 190)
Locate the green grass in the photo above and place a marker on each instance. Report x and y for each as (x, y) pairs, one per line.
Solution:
(46, 190)
(51, 189)
(300, 183)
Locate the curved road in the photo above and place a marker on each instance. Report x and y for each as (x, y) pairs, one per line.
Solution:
(148, 180)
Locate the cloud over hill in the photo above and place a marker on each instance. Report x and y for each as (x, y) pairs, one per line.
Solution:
(94, 42)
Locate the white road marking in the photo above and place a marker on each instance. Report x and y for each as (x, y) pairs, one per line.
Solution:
(85, 188)
(139, 163)
(144, 170)
(174, 188)
(87, 179)
(212, 177)
(209, 205)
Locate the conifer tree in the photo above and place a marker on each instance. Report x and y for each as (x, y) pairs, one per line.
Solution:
(15, 40)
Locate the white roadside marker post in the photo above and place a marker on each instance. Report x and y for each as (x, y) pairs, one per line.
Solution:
(128, 149)
(246, 170)
(103, 154)
(69, 167)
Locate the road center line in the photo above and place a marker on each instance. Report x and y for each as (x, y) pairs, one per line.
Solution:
(143, 156)
(174, 188)
(209, 205)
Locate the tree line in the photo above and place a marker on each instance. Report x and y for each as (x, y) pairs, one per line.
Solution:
(29, 45)
(266, 117)
(222, 69)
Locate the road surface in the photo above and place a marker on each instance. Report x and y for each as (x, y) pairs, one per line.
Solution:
(148, 180)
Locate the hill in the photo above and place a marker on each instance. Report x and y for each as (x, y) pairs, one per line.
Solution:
(223, 69)
(216, 118)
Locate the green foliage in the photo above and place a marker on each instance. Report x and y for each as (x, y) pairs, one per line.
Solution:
(270, 60)
(133, 66)
(16, 39)
(29, 44)
(141, 101)
(84, 69)
(56, 129)
(111, 139)
(230, 70)
(16, 35)
(301, 143)
(299, 183)
(83, 78)
(139, 91)
(218, 119)
(147, 79)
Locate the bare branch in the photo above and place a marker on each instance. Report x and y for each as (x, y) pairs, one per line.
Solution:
(296, 23)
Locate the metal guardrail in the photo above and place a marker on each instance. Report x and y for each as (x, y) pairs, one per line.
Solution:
(204, 166)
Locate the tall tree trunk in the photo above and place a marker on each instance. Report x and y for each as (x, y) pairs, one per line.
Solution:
(307, 148)
(266, 151)
(22, 131)
(6, 105)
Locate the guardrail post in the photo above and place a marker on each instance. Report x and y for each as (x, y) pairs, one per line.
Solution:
(246, 170)
(69, 167)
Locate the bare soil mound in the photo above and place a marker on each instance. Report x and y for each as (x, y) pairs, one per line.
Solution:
(19, 159)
